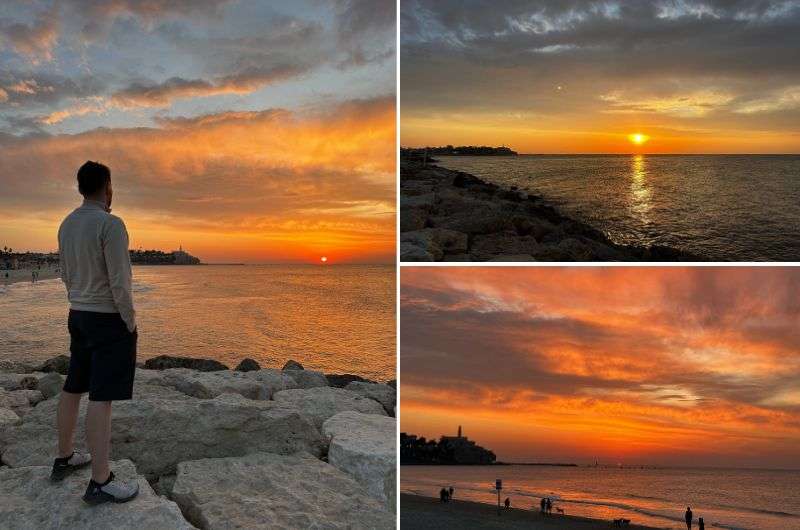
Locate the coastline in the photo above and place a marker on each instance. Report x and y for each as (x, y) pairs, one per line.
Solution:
(423, 513)
(24, 275)
(448, 215)
(198, 435)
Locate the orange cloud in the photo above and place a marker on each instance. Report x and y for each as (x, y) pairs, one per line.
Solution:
(256, 186)
(647, 365)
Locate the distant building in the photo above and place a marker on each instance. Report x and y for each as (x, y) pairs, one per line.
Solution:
(180, 257)
(448, 450)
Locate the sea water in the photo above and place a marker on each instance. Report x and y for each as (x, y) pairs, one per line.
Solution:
(722, 207)
(725, 498)
(338, 318)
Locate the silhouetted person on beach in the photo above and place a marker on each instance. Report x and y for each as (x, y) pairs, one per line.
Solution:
(701, 524)
(549, 505)
(543, 504)
(96, 270)
(508, 503)
(688, 518)
(443, 495)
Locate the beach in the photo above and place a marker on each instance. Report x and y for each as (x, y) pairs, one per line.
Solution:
(24, 275)
(418, 512)
(448, 215)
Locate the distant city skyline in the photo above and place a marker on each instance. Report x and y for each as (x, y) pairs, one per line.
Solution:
(602, 76)
(669, 366)
(250, 131)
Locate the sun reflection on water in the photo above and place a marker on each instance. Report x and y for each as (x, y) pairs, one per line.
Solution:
(641, 192)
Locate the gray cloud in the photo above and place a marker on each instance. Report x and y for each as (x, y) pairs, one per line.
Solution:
(511, 54)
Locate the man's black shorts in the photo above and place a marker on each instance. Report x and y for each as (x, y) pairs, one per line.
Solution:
(103, 356)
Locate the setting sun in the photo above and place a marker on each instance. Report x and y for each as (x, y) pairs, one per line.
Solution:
(324, 259)
(638, 138)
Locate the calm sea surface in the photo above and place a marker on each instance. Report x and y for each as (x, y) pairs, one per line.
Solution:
(337, 318)
(724, 207)
(733, 499)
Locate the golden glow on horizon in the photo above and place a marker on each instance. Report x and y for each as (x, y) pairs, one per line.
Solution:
(324, 259)
(230, 186)
(638, 138)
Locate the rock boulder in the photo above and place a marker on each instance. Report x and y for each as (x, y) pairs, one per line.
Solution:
(160, 429)
(365, 447)
(319, 404)
(291, 364)
(29, 501)
(162, 362)
(383, 394)
(247, 365)
(268, 491)
(58, 364)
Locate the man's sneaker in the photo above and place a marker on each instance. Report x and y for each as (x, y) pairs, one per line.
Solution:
(62, 467)
(111, 491)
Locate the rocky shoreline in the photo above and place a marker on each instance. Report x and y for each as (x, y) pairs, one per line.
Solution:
(448, 215)
(211, 448)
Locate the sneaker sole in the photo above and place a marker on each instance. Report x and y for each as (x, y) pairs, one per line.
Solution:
(67, 472)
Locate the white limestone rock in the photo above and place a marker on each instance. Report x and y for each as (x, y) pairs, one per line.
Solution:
(319, 404)
(158, 430)
(29, 501)
(276, 492)
(365, 447)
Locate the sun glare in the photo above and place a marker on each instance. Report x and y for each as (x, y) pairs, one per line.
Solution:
(324, 259)
(638, 138)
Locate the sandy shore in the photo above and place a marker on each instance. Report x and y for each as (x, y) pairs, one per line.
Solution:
(448, 215)
(425, 513)
(24, 275)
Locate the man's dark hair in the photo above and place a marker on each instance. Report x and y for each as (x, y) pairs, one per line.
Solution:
(92, 177)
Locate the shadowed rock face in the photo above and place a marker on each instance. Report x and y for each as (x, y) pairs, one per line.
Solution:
(268, 491)
(247, 365)
(342, 380)
(58, 364)
(319, 404)
(164, 427)
(29, 501)
(162, 362)
(383, 394)
(365, 447)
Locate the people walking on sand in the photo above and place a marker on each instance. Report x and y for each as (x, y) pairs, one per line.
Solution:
(701, 524)
(688, 518)
(508, 503)
(549, 505)
(543, 504)
(443, 495)
(450, 492)
(96, 270)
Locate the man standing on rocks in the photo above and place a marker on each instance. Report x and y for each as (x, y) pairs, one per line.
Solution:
(96, 270)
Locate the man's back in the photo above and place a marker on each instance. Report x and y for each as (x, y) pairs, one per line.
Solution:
(95, 264)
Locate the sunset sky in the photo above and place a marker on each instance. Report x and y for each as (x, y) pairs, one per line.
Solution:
(245, 131)
(658, 366)
(569, 76)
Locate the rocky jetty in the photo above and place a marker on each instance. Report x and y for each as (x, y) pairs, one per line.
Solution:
(264, 448)
(448, 215)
